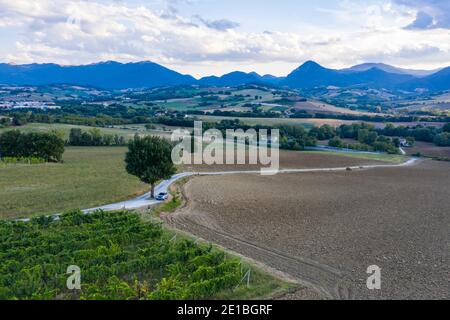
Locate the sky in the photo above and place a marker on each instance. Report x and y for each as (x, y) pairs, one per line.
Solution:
(205, 37)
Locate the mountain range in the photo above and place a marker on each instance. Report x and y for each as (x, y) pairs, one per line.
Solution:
(115, 75)
(108, 75)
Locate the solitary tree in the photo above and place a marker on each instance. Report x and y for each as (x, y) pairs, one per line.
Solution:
(150, 159)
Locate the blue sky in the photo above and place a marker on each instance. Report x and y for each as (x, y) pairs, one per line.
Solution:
(204, 37)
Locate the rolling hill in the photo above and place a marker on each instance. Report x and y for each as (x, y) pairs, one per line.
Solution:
(311, 75)
(108, 75)
(391, 69)
(438, 81)
(115, 75)
(231, 79)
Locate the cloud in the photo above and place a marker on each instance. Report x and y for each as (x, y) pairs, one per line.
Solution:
(423, 21)
(430, 14)
(220, 25)
(80, 32)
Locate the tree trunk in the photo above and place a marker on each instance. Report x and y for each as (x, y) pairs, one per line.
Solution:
(153, 191)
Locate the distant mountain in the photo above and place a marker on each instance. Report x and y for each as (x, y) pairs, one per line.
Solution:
(436, 82)
(311, 75)
(115, 75)
(270, 79)
(236, 78)
(109, 75)
(391, 69)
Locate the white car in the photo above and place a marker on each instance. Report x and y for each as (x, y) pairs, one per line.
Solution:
(163, 196)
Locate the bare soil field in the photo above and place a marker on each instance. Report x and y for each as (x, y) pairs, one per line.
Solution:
(292, 160)
(326, 228)
(429, 150)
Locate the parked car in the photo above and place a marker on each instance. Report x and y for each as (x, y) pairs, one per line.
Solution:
(162, 196)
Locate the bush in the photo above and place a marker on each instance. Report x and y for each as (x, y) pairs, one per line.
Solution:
(336, 142)
(442, 140)
(15, 160)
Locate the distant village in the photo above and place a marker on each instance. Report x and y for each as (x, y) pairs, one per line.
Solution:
(28, 105)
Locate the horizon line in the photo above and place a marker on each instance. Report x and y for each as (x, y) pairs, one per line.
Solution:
(215, 75)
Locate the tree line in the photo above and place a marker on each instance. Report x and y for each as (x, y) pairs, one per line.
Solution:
(439, 136)
(302, 114)
(94, 138)
(47, 146)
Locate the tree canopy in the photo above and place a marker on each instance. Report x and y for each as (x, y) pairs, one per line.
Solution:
(48, 146)
(150, 159)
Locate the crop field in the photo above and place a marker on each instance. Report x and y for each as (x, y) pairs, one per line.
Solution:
(126, 131)
(234, 101)
(317, 106)
(307, 123)
(326, 228)
(89, 176)
(119, 257)
(181, 104)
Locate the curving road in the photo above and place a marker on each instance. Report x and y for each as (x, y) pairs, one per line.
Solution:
(145, 201)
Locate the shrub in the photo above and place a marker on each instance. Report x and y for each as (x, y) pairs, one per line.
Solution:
(25, 160)
(442, 140)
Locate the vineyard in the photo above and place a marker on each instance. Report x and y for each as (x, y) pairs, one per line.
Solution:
(119, 256)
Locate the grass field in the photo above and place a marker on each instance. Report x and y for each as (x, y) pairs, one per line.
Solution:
(126, 131)
(368, 156)
(317, 106)
(307, 123)
(88, 177)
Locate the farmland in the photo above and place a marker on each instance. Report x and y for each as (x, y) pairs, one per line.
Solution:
(325, 229)
(309, 123)
(87, 178)
(307, 160)
(120, 257)
(93, 176)
(317, 106)
(321, 229)
(126, 131)
(429, 150)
